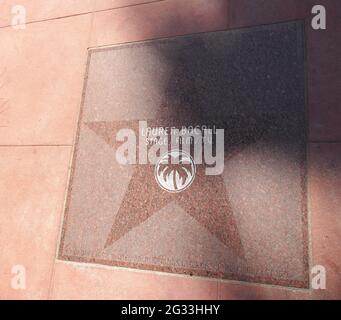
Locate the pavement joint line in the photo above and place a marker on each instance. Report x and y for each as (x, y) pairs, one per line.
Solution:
(60, 227)
(182, 35)
(89, 265)
(33, 145)
(85, 13)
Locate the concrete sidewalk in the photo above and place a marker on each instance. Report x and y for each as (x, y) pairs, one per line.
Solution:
(42, 70)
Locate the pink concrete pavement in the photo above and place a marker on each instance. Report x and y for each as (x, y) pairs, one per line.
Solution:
(41, 78)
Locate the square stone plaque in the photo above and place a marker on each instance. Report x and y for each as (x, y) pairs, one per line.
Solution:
(191, 157)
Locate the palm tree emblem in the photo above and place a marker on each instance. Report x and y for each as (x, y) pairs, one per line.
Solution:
(175, 171)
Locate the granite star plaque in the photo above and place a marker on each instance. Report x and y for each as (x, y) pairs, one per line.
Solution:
(190, 157)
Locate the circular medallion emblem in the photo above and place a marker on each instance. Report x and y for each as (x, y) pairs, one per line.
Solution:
(175, 171)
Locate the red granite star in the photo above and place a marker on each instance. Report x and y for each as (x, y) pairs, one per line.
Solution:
(206, 200)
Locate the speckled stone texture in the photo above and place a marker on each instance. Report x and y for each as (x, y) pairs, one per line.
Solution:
(247, 223)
